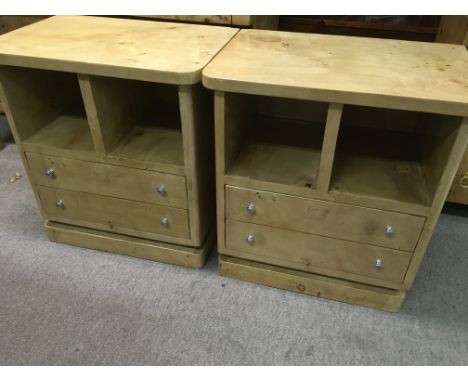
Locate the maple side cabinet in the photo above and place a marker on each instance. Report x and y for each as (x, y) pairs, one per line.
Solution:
(115, 131)
(334, 158)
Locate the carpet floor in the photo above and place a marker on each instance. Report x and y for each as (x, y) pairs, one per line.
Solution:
(63, 305)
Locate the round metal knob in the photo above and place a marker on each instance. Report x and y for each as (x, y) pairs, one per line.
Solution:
(463, 182)
(59, 204)
(161, 189)
(50, 172)
(250, 208)
(378, 264)
(249, 239)
(165, 221)
(389, 231)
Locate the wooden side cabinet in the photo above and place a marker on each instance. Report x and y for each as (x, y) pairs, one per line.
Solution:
(115, 131)
(334, 156)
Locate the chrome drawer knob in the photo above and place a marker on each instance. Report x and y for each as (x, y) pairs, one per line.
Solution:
(50, 172)
(389, 231)
(165, 221)
(378, 264)
(463, 182)
(249, 239)
(161, 189)
(250, 208)
(59, 203)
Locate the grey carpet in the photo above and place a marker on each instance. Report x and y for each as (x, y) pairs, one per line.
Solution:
(66, 305)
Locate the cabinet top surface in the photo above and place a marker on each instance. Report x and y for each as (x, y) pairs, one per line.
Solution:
(368, 71)
(143, 50)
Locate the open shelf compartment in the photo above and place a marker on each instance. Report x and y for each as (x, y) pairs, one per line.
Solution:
(47, 109)
(391, 154)
(274, 140)
(137, 120)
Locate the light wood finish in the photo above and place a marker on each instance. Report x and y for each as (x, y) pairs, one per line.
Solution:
(312, 253)
(312, 284)
(370, 201)
(452, 154)
(49, 117)
(45, 95)
(435, 146)
(114, 215)
(9, 23)
(223, 153)
(454, 30)
(386, 145)
(459, 190)
(92, 177)
(379, 163)
(274, 141)
(336, 220)
(133, 49)
(134, 119)
(196, 108)
(280, 158)
(401, 165)
(94, 120)
(283, 139)
(65, 134)
(329, 144)
(69, 137)
(342, 69)
(152, 145)
(120, 113)
(129, 246)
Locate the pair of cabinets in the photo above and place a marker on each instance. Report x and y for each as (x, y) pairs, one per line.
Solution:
(325, 184)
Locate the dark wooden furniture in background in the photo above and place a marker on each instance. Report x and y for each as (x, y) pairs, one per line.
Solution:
(416, 28)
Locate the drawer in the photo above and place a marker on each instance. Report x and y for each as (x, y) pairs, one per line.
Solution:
(313, 253)
(343, 221)
(108, 180)
(113, 214)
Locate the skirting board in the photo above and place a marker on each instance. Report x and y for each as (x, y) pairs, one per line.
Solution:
(312, 284)
(130, 246)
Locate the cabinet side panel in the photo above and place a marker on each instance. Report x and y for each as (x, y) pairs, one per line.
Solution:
(438, 134)
(453, 154)
(220, 151)
(196, 110)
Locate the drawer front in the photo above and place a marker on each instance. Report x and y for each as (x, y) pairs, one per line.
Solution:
(113, 214)
(108, 180)
(342, 221)
(313, 253)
